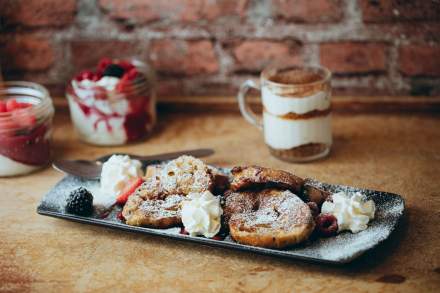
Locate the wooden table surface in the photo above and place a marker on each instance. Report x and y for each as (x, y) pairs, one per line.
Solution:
(396, 153)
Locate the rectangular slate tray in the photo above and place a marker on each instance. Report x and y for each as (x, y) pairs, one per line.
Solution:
(340, 249)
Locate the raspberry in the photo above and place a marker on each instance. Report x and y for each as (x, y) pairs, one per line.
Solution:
(131, 75)
(96, 77)
(326, 225)
(80, 202)
(86, 75)
(103, 63)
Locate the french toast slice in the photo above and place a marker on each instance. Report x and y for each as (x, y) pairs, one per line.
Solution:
(155, 213)
(186, 174)
(252, 177)
(156, 203)
(269, 218)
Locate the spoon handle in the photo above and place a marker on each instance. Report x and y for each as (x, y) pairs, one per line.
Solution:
(167, 156)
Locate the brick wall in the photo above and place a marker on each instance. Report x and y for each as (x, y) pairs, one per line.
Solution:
(374, 47)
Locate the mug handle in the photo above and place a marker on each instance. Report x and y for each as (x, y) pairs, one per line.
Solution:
(245, 110)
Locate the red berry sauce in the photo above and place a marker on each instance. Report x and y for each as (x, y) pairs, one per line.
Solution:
(120, 216)
(22, 139)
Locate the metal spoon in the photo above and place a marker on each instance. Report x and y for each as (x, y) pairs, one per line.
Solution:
(92, 169)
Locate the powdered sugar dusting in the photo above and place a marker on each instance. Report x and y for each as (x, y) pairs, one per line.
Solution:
(340, 249)
(168, 207)
(275, 210)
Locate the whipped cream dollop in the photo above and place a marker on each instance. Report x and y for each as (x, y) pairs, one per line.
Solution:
(107, 82)
(201, 214)
(352, 212)
(116, 172)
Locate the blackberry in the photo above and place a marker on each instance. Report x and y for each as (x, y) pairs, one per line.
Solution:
(80, 202)
(114, 70)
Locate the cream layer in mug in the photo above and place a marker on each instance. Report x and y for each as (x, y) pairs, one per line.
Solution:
(280, 105)
(284, 133)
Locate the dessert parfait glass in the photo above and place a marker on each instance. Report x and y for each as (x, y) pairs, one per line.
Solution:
(296, 111)
(113, 106)
(26, 113)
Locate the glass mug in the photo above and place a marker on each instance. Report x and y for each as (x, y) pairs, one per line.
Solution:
(296, 111)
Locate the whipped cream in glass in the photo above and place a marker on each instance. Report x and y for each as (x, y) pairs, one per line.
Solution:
(352, 212)
(116, 172)
(201, 214)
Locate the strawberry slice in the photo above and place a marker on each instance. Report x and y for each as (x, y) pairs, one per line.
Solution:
(12, 105)
(3, 108)
(129, 189)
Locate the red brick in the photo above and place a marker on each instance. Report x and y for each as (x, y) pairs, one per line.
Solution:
(311, 11)
(398, 10)
(26, 52)
(351, 57)
(423, 32)
(170, 88)
(184, 57)
(86, 54)
(36, 13)
(419, 60)
(255, 55)
(144, 11)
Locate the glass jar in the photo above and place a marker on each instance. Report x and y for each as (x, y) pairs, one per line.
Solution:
(116, 116)
(26, 113)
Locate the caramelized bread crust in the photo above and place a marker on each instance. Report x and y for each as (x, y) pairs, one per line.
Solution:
(314, 194)
(251, 177)
(269, 218)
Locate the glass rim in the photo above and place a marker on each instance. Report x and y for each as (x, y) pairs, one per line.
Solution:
(327, 74)
(12, 88)
(42, 109)
(143, 82)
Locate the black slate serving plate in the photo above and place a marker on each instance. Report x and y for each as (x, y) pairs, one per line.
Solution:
(340, 249)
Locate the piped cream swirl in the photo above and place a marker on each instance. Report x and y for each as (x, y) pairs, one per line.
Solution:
(352, 212)
(201, 214)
